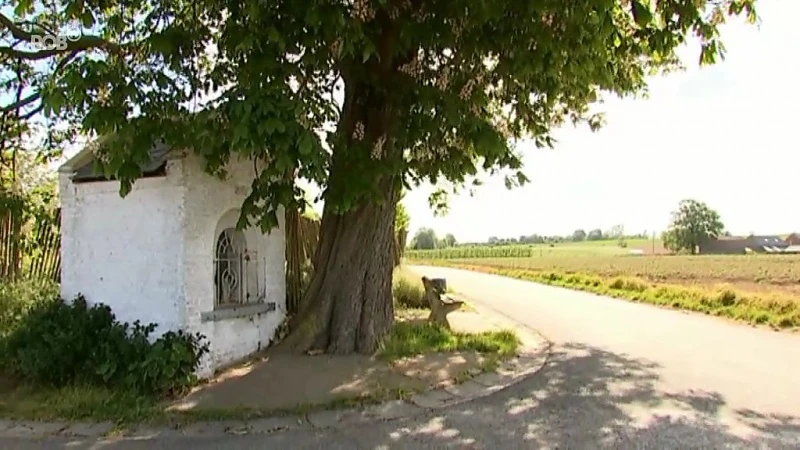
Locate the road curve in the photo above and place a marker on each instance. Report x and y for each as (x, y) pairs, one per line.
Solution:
(749, 378)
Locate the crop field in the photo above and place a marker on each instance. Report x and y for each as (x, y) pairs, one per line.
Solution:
(749, 273)
(758, 289)
(597, 248)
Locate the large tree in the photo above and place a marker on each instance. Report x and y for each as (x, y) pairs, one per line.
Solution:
(425, 239)
(693, 224)
(359, 96)
(595, 235)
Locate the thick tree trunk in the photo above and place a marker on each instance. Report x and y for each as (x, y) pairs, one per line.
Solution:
(348, 306)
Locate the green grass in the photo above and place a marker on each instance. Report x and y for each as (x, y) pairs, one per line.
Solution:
(124, 410)
(410, 339)
(77, 403)
(773, 310)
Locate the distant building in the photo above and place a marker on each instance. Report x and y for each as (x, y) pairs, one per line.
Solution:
(767, 244)
(793, 239)
(740, 245)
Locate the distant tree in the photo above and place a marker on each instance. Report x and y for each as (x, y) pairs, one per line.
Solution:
(595, 235)
(693, 224)
(578, 235)
(493, 240)
(449, 240)
(425, 239)
(616, 232)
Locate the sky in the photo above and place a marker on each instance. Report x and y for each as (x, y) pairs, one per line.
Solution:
(724, 135)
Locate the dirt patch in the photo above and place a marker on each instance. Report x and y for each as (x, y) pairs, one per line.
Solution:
(288, 381)
(435, 369)
(281, 381)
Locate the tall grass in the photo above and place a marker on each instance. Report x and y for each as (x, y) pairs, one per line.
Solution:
(18, 297)
(408, 291)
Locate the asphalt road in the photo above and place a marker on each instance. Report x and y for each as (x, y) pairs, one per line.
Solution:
(622, 375)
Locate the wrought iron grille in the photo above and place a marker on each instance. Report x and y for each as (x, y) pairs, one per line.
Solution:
(237, 276)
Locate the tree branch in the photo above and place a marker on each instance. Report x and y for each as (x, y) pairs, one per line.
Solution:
(36, 95)
(33, 112)
(83, 43)
(22, 103)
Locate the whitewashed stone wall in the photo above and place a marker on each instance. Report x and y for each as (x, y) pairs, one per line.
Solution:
(124, 252)
(150, 255)
(211, 206)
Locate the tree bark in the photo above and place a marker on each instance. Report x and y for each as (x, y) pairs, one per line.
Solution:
(348, 305)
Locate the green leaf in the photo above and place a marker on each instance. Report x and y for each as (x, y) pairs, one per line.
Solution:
(305, 144)
(23, 7)
(641, 13)
(369, 49)
(87, 19)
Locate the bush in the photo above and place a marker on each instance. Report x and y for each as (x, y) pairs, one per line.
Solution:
(17, 298)
(408, 292)
(60, 344)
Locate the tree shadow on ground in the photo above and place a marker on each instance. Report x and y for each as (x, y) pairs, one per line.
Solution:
(586, 397)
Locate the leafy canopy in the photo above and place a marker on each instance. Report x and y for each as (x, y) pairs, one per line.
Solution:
(693, 224)
(411, 90)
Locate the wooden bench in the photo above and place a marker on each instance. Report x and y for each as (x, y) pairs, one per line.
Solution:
(441, 304)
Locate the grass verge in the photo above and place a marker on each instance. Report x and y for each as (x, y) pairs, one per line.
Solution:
(93, 404)
(774, 311)
(410, 339)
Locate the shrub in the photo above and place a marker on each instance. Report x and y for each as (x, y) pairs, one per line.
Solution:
(617, 283)
(408, 292)
(17, 298)
(726, 297)
(60, 344)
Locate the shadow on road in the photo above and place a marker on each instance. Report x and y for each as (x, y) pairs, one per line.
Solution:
(587, 398)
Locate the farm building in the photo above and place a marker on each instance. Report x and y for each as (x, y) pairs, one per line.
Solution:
(740, 245)
(170, 253)
(793, 239)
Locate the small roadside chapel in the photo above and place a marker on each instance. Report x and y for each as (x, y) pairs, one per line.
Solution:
(170, 253)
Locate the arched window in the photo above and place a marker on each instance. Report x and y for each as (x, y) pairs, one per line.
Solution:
(230, 263)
